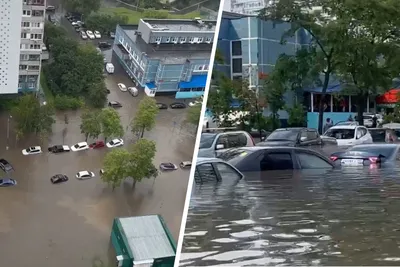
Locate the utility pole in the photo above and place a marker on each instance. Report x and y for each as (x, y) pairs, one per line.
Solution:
(256, 79)
(8, 131)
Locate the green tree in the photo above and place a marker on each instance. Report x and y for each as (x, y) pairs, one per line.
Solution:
(141, 160)
(104, 22)
(115, 167)
(111, 123)
(193, 115)
(297, 115)
(90, 124)
(52, 32)
(85, 7)
(219, 57)
(145, 117)
(97, 94)
(32, 118)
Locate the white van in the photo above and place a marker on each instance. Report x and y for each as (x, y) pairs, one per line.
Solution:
(110, 68)
(133, 90)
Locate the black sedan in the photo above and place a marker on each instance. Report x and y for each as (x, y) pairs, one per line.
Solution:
(162, 106)
(6, 166)
(168, 166)
(114, 104)
(367, 155)
(59, 178)
(256, 159)
(59, 149)
(177, 105)
(104, 45)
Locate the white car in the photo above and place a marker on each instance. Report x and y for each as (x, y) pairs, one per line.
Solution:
(185, 164)
(33, 150)
(368, 121)
(349, 135)
(78, 22)
(97, 34)
(115, 143)
(194, 103)
(122, 87)
(83, 35)
(83, 175)
(80, 146)
(90, 35)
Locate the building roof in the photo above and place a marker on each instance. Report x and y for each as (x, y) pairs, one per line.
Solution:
(147, 238)
(187, 25)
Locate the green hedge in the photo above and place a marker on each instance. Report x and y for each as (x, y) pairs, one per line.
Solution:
(63, 102)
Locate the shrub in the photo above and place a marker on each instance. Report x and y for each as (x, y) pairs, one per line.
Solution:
(63, 102)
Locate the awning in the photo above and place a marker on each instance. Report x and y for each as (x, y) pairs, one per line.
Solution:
(196, 82)
(332, 88)
(390, 97)
(151, 85)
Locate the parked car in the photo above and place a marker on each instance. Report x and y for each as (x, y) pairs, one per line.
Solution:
(185, 164)
(33, 150)
(296, 137)
(80, 146)
(349, 135)
(51, 18)
(75, 22)
(107, 91)
(168, 166)
(213, 144)
(83, 175)
(104, 45)
(90, 34)
(366, 155)
(383, 135)
(83, 35)
(59, 149)
(78, 30)
(177, 105)
(133, 91)
(59, 178)
(114, 104)
(256, 159)
(122, 87)
(97, 144)
(256, 134)
(97, 34)
(214, 170)
(112, 35)
(115, 143)
(194, 103)
(50, 8)
(162, 106)
(368, 119)
(6, 166)
(6, 182)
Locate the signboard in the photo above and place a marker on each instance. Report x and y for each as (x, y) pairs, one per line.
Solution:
(390, 97)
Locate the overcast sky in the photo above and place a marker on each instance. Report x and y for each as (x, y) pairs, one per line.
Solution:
(227, 5)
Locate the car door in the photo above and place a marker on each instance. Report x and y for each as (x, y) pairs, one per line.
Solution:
(206, 173)
(308, 160)
(303, 138)
(365, 136)
(358, 134)
(272, 161)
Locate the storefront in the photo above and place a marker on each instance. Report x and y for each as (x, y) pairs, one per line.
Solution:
(388, 100)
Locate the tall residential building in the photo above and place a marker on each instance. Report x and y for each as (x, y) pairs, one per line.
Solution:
(21, 29)
(169, 56)
(249, 7)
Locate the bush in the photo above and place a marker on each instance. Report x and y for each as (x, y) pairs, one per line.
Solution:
(63, 102)
(157, 14)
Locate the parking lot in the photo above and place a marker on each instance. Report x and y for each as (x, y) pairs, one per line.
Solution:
(69, 224)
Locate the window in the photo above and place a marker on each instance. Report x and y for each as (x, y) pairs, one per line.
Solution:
(360, 132)
(310, 161)
(174, 39)
(158, 39)
(183, 39)
(191, 39)
(23, 57)
(205, 173)
(232, 140)
(24, 35)
(276, 161)
(312, 135)
(227, 172)
(236, 48)
(25, 24)
(36, 24)
(200, 39)
(168, 39)
(340, 133)
(208, 40)
(33, 67)
(23, 67)
(36, 36)
(237, 65)
(34, 46)
(26, 12)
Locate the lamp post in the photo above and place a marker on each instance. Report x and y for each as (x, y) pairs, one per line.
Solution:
(8, 130)
(254, 75)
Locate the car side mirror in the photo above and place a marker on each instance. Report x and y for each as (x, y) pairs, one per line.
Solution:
(303, 139)
(219, 146)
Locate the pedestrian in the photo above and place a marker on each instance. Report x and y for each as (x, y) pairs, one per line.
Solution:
(327, 125)
(350, 118)
(374, 121)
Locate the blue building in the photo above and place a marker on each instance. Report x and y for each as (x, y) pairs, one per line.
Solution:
(166, 56)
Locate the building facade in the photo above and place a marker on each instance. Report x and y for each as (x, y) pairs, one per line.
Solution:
(166, 56)
(22, 28)
(247, 7)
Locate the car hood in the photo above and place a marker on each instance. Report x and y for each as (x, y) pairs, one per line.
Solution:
(277, 143)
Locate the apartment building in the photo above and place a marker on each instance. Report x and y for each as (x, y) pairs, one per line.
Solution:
(249, 7)
(21, 28)
(169, 56)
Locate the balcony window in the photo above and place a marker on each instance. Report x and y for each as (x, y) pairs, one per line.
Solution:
(25, 24)
(34, 2)
(23, 57)
(26, 12)
(237, 65)
(168, 39)
(37, 13)
(174, 39)
(35, 46)
(236, 48)
(36, 36)
(34, 57)
(183, 39)
(191, 39)
(34, 67)
(200, 39)
(208, 40)
(23, 67)
(158, 39)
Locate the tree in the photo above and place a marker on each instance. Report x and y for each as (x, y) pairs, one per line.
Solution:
(84, 7)
(219, 57)
(97, 94)
(90, 124)
(52, 32)
(145, 117)
(115, 167)
(141, 160)
(32, 118)
(104, 23)
(326, 34)
(193, 115)
(111, 123)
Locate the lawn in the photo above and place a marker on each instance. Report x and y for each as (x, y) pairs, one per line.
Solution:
(135, 16)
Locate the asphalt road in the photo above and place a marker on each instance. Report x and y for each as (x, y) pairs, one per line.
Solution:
(69, 224)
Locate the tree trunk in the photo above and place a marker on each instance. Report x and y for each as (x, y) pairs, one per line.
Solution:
(360, 109)
(86, 137)
(142, 133)
(321, 103)
(134, 183)
(113, 187)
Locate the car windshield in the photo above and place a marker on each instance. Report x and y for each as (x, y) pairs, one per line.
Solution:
(290, 135)
(386, 151)
(234, 156)
(112, 143)
(378, 135)
(76, 146)
(207, 140)
(340, 133)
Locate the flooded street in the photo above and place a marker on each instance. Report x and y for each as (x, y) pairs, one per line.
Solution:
(340, 217)
(69, 224)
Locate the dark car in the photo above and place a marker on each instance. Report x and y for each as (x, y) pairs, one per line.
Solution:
(162, 106)
(168, 166)
(112, 35)
(104, 45)
(50, 8)
(59, 149)
(383, 135)
(6, 166)
(256, 134)
(114, 104)
(59, 178)
(366, 155)
(293, 137)
(107, 91)
(256, 159)
(177, 105)
(97, 144)
(51, 18)
(7, 182)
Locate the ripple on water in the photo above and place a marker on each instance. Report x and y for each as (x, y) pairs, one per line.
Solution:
(244, 222)
(285, 236)
(198, 233)
(195, 255)
(234, 255)
(306, 231)
(245, 234)
(224, 229)
(224, 240)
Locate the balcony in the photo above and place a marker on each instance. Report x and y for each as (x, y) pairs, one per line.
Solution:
(34, 2)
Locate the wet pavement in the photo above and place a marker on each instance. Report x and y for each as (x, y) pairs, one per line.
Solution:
(69, 224)
(331, 218)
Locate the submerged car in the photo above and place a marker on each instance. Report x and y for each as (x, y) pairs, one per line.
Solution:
(366, 155)
(115, 143)
(122, 87)
(6, 182)
(59, 149)
(83, 175)
(97, 144)
(33, 150)
(80, 146)
(59, 178)
(177, 105)
(383, 135)
(162, 106)
(215, 170)
(168, 166)
(114, 104)
(349, 135)
(6, 166)
(185, 164)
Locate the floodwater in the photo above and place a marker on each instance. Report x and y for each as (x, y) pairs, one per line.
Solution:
(69, 224)
(336, 217)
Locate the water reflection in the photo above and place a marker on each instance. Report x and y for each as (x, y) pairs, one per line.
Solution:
(337, 217)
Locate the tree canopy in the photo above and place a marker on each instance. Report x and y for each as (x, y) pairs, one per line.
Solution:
(104, 23)
(91, 124)
(84, 7)
(193, 115)
(145, 117)
(111, 123)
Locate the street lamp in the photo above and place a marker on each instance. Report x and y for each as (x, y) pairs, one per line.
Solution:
(8, 130)
(255, 76)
